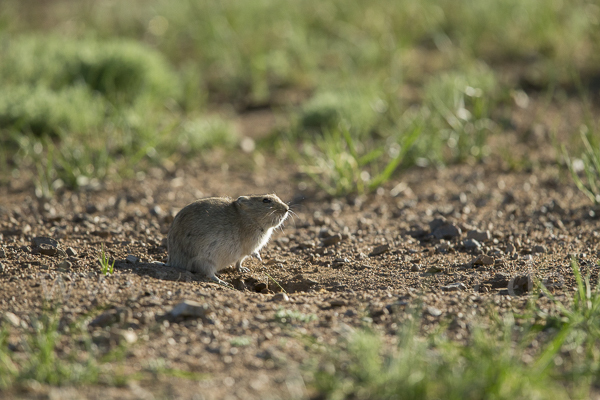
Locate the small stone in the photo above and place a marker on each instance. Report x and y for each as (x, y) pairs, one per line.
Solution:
(280, 297)
(47, 250)
(500, 281)
(128, 336)
(442, 247)
(65, 264)
(71, 252)
(2, 252)
(12, 319)
(415, 268)
(433, 311)
(105, 319)
(480, 236)
(274, 261)
(434, 270)
(453, 287)
(510, 249)
(471, 244)
(131, 259)
(338, 303)
(523, 283)
(379, 250)
(447, 231)
(37, 241)
(436, 223)
(483, 259)
(540, 249)
(332, 240)
(189, 308)
(307, 245)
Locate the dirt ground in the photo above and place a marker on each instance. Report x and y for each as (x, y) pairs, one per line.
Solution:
(450, 243)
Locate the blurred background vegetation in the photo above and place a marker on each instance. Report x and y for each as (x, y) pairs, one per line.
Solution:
(101, 89)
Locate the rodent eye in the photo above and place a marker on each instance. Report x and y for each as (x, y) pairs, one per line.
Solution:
(265, 200)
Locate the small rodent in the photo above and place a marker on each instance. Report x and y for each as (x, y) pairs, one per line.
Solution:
(213, 233)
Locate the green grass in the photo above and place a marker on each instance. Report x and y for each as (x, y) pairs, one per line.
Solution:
(105, 266)
(119, 86)
(284, 316)
(44, 358)
(497, 361)
(588, 165)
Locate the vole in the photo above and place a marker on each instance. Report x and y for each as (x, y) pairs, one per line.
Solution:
(213, 233)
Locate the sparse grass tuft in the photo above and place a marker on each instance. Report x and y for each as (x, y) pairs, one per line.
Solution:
(589, 164)
(284, 316)
(105, 266)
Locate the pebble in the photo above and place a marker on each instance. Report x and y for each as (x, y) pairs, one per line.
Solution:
(510, 248)
(540, 249)
(483, 259)
(65, 264)
(47, 250)
(524, 283)
(433, 311)
(131, 259)
(453, 287)
(338, 303)
(379, 250)
(105, 319)
(129, 336)
(471, 244)
(415, 268)
(38, 241)
(12, 319)
(480, 236)
(442, 247)
(189, 308)
(446, 231)
(2, 253)
(332, 240)
(71, 252)
(280, 297)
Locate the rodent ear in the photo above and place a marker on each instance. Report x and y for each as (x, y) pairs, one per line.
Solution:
(242, 200)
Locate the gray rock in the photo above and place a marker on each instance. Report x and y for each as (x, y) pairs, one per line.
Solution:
(131, 259)
(379, 250)
(331, 240)
(522, 283)
(71, 252)
(189, 308)
(105, 319)
(433, 311)
(2, 252)
(446, 231)
(280, 297)
(454, 287)
(480, 236)
(436, 223)
(471, 244)
(510, 249)
(415, 268)
(12, 319)
(47, 250)
(37, 241)
(540, 249)
(483, 259)
(65, 264)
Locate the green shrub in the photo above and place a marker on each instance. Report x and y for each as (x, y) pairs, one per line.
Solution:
(204, 133)
(357, 111)
(122, 71)
(41, 111)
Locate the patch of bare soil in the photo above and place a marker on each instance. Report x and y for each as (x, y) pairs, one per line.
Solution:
(449, 243)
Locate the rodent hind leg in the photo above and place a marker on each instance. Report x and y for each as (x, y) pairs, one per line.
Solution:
(206, 268)
(239, 267)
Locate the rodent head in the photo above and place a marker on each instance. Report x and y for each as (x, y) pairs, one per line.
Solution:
(267, 209)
